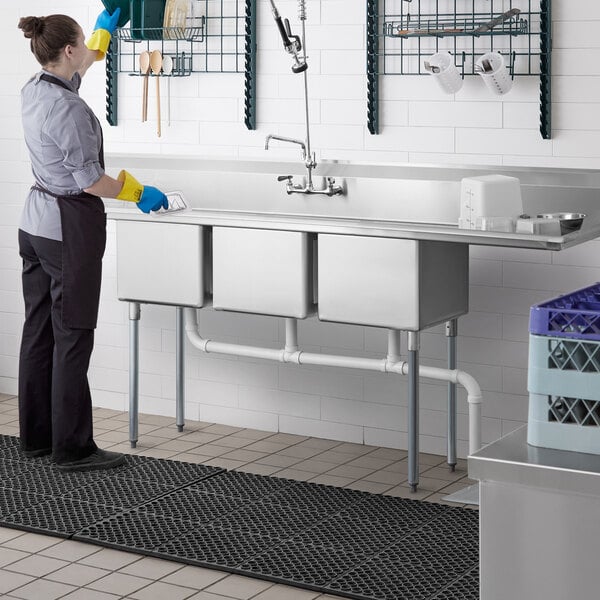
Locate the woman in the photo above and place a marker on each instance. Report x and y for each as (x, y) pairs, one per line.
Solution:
(62, 236)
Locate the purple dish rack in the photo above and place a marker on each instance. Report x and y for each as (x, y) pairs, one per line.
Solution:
(573, 315)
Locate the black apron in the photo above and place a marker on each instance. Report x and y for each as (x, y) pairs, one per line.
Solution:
(83, 223)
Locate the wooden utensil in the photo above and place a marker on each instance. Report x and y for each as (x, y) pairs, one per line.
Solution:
(145, 70)
(156, 61)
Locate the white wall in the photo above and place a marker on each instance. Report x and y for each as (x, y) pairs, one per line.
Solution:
(419, 124)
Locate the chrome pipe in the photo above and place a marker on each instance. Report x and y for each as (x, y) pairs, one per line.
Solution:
(179, 370)
(451, 333)
(134, 371)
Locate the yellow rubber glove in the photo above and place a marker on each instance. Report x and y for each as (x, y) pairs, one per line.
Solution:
(132, 189)
(147, 197)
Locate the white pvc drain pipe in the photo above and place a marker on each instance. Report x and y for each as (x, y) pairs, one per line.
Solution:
(292, 354)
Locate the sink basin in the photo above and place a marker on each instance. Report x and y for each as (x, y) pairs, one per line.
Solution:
(162, 263)
(398, 284)
(263, 271)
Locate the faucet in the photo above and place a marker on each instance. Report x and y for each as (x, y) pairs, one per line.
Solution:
(282, 138)
(293, 45)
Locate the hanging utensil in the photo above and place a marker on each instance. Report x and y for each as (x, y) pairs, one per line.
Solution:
(145, 71)
(487, 66)
(509, 14)
(430, 67)
(156, 62)
(167, 68)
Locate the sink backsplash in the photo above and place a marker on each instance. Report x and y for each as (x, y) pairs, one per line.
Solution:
(410, 193)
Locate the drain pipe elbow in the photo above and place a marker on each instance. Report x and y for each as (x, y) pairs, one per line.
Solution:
(474, 396)
(190, 319)
(468, 382)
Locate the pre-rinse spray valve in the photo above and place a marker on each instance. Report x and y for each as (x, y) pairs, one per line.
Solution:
(291, 43)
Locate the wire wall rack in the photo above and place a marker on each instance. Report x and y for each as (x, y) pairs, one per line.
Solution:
(402, 34)
(219, 38)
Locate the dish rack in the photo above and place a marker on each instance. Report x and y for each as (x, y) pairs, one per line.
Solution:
(563, 376)
(402, 34)
(221, 39)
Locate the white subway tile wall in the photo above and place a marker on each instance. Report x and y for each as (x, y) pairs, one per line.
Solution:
(419, 124)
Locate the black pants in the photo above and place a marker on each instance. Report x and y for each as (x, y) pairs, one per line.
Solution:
(55, 404)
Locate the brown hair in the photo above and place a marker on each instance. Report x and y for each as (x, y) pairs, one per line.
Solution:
(49, 35)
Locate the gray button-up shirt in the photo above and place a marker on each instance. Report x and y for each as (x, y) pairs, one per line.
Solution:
(64, 139)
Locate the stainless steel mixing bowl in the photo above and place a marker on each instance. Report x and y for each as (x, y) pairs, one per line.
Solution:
(569, 222)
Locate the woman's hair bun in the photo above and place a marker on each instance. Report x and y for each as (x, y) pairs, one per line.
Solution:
(31, 26)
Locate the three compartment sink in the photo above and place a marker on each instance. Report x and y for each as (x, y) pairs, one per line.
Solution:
(367, 280)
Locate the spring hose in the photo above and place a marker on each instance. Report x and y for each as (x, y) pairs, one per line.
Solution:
(302, 10)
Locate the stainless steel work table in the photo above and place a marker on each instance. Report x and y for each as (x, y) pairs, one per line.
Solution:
(539, 520)
(445, 232)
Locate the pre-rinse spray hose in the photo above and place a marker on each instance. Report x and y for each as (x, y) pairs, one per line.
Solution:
(291, 43)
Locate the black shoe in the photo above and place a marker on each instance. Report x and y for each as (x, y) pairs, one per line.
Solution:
(98, 459)
(37, 453)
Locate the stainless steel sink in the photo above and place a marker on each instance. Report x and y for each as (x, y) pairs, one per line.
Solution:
(263, 271)
(162, 263)
(397, 284)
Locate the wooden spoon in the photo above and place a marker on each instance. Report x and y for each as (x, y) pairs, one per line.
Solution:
(156, 61)
(145, 70)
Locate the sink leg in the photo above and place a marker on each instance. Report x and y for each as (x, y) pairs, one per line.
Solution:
(451, 333)
(413, 410)
(134, 371)
(180, 368)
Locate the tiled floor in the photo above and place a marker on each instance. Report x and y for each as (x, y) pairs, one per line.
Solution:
(34, 566)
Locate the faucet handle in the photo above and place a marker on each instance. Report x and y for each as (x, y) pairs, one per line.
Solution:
(284, 177)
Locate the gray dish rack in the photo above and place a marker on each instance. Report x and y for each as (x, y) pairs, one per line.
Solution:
(401, 34)
(221, 39)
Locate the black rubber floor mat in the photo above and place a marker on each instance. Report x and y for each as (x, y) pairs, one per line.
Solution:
(332, 540)
(15, 453)
(268, 520)
(12, 501)
(243, 485)
(353, 535)
(8, 440)
(119, 492)
(191, 505)
(170, 472)
(388, 581)
(49, 481)
(214, 547)
(301, 563)
(58, 516)
(465, 588)
(316, 497)
(137, 531)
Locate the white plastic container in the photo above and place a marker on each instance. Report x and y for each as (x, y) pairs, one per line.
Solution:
(498, 80)
(490, 200)
(444, 71)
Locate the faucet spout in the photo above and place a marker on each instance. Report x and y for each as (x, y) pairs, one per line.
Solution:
(289, 140)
